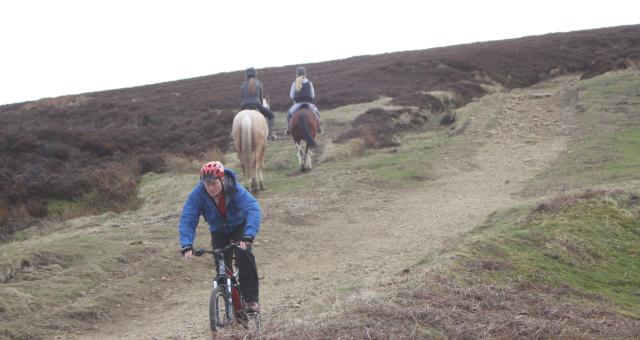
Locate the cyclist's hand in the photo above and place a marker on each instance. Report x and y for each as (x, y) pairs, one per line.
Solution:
(187, 252)
(246, 242)
(244, 245)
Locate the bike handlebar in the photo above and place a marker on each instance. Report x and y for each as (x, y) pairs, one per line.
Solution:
(201, 252)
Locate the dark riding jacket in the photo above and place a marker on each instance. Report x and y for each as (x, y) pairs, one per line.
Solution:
(306, 96)
(242, 210)
(251, 98)
(307, 93)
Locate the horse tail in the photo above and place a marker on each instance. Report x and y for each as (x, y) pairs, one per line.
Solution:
(247, 153)
(305, 129)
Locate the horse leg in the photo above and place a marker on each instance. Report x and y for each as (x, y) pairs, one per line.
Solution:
(308, 158)
(260, 180)
(260, 164)
(254, 185)
(300, 157)
(244, 171)
(254, 182)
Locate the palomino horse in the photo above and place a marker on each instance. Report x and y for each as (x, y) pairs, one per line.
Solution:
(250, 139)
(304, 126)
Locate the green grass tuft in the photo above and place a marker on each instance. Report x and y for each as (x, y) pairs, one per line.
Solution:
(607, 150)
(590, 243)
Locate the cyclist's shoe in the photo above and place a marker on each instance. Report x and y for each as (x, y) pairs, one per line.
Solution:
(252, 307)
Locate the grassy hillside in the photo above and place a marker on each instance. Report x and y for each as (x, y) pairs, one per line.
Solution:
(74, 274)
(606, 149)
(587, 244)
(565, 267)
(58, 150)
(69, 275)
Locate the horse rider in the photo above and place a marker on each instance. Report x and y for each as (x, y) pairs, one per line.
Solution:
(301, 93)
(252, 98)
(233, 215)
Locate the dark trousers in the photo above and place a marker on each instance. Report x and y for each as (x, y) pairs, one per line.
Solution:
(266, 112)
(245, 261)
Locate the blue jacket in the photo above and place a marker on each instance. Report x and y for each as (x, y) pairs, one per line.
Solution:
(242, 210)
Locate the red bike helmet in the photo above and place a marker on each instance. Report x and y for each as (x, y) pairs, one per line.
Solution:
(212, 170)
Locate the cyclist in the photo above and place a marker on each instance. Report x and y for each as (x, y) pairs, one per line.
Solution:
(252, 98)
(233, 215)
(302, 92)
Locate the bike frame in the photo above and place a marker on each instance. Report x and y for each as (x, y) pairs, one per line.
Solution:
(227, 278)
(230, 278)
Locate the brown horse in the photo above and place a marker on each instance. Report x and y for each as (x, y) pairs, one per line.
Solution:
(250, 139)
(304, 126)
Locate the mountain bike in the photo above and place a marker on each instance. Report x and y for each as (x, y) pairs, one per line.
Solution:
(226, 304)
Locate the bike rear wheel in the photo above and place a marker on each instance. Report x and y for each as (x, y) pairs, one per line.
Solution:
(220, 310)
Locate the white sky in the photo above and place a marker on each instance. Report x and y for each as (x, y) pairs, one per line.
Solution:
(56, 47)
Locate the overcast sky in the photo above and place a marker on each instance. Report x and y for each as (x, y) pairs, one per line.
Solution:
(59, 47)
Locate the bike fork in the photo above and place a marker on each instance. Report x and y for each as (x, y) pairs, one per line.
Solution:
(229, 307)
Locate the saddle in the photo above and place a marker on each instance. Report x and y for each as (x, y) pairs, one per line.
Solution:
(251, 107)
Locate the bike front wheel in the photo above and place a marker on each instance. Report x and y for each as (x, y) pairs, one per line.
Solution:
(220, 310)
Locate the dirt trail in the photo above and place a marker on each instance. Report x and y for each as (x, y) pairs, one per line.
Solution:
(315, 247)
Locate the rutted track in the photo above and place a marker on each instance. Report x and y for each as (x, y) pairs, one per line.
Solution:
(325, 243)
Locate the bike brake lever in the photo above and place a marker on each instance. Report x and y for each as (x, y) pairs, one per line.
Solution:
(199, 252)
